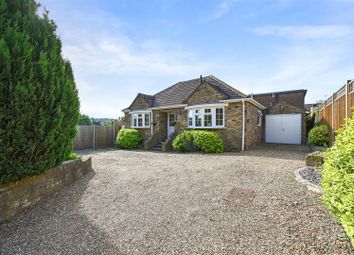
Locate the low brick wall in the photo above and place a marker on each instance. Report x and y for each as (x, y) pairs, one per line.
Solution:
(16, 196)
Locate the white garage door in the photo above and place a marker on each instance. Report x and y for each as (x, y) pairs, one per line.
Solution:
(283, 128)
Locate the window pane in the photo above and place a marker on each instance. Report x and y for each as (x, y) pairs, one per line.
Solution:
(140, 120)
(147, 119)
(190, 118)
(207, 120)
(198, 120)
(219, 116)
(171, 121)
(134, 120)
(207, 110)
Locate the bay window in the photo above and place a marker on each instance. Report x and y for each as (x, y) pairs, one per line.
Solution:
(210, 117)
(140, 120)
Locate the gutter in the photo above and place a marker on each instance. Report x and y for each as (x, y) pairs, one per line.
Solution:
(222, 104)
(251, 100)
(243, 124)
(168, 107)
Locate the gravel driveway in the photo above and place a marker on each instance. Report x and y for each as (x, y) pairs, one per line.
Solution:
(140, 202)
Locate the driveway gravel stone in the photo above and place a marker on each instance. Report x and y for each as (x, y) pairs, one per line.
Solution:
(139, 202)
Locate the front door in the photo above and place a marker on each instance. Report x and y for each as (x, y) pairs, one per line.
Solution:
(171, 124)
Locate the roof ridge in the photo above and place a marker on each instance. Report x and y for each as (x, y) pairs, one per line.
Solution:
(177, 84)
(145, 94)
(229, 86)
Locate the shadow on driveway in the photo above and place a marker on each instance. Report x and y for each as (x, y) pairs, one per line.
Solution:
(55, 226)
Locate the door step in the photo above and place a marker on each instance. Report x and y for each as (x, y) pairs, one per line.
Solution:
(157, 147)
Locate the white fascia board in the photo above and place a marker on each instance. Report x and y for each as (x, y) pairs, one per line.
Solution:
(140, 111)
(168, 107)
(252, 101)
(206, 105)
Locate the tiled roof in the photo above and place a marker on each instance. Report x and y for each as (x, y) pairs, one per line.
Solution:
(179, 92)
(148, 98)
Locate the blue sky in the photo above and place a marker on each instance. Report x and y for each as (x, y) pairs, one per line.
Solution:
(119, 48)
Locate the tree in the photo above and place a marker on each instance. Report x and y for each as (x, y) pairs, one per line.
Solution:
(85, 120)
(107, 122)
(39, 105)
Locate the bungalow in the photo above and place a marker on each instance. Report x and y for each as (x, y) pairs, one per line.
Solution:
(241, 120)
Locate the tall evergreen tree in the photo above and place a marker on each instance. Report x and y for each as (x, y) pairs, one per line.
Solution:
(39, 105)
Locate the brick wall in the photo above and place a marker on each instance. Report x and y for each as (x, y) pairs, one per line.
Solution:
(294, 98)
(139, 103)
(16, 196)
(205, 94)
(254, 133)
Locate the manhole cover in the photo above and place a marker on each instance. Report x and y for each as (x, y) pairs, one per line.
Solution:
(241, 196)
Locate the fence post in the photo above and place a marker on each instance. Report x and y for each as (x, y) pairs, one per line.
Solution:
(114, 132)
(333, 117)
(94, 136)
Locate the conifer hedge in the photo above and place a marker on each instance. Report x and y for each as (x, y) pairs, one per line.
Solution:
(39, 105)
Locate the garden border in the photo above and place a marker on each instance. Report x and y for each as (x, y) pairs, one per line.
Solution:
(310, 186)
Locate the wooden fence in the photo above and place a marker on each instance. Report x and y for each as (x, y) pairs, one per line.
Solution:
(337, 108)
(92, 137)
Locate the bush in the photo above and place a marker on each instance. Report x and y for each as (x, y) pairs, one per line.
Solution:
(191, 140)
(184, 142)
(318, 136)
(72, 156)
(39, 107)
(128, 138)
(338, 178)
(310, 121)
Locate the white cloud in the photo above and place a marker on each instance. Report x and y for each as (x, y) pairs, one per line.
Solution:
(223, 8)
(305, 32)
(111, 68)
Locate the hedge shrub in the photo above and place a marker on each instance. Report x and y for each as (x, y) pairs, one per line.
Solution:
(128, 138)
(338, 178)
(192, 140)
(39, 105)
(318, 136)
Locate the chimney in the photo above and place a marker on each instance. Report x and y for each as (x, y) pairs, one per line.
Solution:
(201, 79)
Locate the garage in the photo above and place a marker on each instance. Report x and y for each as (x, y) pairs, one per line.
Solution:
(283, 128)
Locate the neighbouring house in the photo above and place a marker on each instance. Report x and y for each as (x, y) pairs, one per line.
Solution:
(241, 120)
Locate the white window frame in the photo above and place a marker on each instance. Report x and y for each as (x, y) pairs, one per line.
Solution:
(260, 119)
(191, 112)
(135, 116)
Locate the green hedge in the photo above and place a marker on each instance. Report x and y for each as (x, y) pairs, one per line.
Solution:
(39, 104)
(128, 138)
(318, 136)
(193, 140)
(338, 178)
